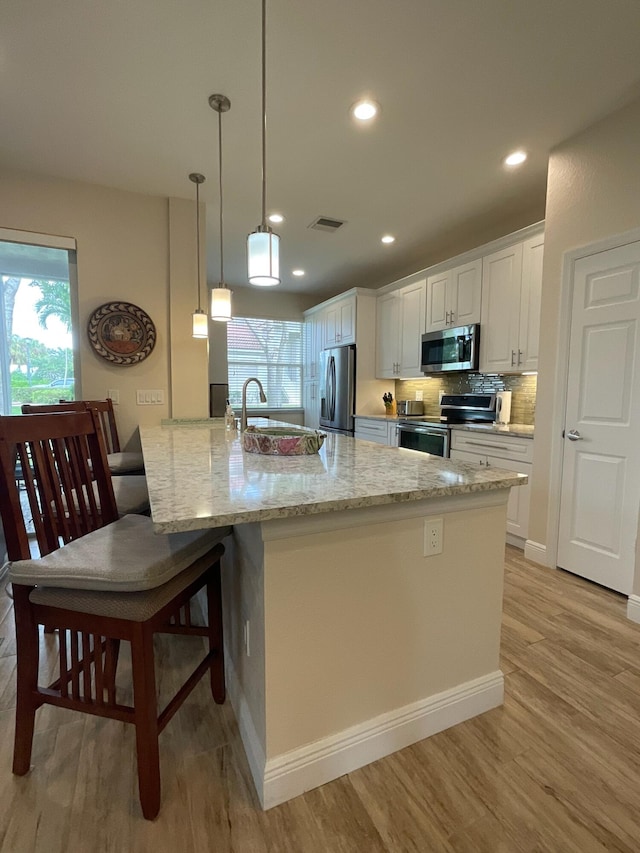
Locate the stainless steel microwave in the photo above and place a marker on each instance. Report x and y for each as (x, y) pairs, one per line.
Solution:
(451, 349)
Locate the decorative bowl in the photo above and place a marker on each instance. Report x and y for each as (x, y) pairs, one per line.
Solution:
(281, 441)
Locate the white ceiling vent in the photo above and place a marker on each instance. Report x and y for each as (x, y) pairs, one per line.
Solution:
(325, 223)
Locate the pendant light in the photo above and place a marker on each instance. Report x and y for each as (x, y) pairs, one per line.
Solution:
(220, 295)
(200, 322)
(263, 244)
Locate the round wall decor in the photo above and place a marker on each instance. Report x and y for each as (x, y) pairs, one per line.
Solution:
(121, 332)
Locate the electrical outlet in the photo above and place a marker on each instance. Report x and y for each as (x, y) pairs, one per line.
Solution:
(114, 393)
(247, 638)
(419, 395)
(433, 534)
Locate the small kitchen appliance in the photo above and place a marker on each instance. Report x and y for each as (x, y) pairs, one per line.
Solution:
(503, 407)
(410, 407)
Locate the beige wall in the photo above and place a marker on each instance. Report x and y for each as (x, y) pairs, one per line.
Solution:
(124, 251)
(266, 302)
(593, 192)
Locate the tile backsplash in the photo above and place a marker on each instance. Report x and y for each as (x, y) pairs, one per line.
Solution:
(523, 388)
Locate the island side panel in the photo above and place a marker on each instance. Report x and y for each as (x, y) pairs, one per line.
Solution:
(243, 603)
(362, 631)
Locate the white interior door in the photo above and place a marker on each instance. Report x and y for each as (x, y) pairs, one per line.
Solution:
(600, 493)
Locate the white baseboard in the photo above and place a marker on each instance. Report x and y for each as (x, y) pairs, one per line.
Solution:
(516, 541)
(300, 770)
(535, 552)
(633, 608)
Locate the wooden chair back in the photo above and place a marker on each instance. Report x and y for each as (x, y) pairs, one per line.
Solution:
(60, 455)
(103, 407)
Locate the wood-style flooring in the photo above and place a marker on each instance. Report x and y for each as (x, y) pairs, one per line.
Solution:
(557, 768)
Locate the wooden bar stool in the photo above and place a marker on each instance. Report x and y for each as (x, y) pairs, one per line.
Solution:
(129, 484)
(120, 462)
(100, 579)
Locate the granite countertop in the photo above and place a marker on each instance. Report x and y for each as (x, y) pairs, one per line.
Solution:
(520, 430)
(199, 476)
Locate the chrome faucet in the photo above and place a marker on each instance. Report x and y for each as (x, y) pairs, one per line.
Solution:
(263, 399)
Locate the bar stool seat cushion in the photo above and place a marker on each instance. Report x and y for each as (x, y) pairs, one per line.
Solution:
(125, 463)
(124, 556)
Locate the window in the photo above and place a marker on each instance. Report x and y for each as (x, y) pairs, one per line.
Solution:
(270, 350)
(36, 351)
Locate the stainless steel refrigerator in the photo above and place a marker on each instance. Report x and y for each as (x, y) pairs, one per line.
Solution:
(337, 389)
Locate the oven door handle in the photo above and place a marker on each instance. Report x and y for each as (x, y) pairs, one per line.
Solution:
(422, 430)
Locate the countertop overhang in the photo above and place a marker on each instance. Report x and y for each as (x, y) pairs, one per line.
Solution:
(199, 477)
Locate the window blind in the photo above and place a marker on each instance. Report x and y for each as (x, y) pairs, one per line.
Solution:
(270, 350)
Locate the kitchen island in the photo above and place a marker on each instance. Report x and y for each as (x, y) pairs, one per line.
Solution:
(344, 642)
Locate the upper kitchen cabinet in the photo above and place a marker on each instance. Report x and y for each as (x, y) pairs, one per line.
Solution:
(511, 289)
(532, 254)
(313, 342)
(340, 322)
(454, 297)
(400, 326)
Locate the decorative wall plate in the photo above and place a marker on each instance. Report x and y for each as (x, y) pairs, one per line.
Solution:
(121, 332)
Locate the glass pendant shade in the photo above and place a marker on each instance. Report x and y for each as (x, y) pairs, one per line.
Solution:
(200, 325)
(263, 252)
(221, 304)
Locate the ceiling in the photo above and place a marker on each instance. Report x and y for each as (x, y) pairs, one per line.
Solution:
(116, 93)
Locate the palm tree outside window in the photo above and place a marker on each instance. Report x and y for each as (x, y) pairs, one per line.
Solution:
(37, 290)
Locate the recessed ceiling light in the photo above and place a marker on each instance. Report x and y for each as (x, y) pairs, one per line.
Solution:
(297, 272)
(516, 158)
(365, 109)
(388, 239)
(276, 217)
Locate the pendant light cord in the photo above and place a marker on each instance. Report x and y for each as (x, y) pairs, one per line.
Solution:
(220, 190)
(264, 112)
(198, 240)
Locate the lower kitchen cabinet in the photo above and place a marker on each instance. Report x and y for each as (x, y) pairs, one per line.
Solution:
(376, 429)
(311, 404)
(501, 451)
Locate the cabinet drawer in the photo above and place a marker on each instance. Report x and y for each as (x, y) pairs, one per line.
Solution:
(372, 430)
(502, 446)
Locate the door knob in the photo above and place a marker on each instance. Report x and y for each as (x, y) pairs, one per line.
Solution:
(574, 435)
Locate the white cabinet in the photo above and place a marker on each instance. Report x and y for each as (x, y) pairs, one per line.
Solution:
(340, 322)
(378, 430)
(531, 296)
(313, 342)
(387, 336)
(454, 297)
(500, 451)
(313, 332)
(511, 289)
(400, 326)
(311, 404)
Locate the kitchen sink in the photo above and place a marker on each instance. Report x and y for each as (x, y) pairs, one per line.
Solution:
(282, 441)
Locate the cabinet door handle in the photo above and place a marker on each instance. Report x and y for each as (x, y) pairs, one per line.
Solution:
(451, 318)
(446, 318)
(490, 445)
(520, 354)
(513, 358)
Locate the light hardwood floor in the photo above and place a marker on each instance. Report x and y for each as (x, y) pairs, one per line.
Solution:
(557, 768)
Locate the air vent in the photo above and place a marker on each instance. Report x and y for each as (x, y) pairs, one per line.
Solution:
(325, 223)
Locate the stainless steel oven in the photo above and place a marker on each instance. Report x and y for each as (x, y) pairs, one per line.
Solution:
(426, 437)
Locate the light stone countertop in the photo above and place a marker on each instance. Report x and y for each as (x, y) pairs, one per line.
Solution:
(520, 430)
(199, 476)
